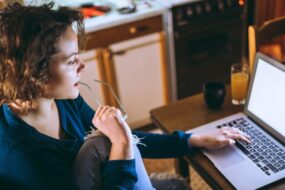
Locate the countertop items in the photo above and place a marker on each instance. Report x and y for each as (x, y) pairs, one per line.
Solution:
(142, 9)
(90, 10)
(111, 15)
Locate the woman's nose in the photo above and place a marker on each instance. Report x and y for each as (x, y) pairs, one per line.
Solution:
(81, 66)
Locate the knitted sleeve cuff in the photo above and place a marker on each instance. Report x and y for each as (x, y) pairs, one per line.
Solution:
(184, 138)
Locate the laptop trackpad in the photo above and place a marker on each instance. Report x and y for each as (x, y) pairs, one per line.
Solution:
(225, 157)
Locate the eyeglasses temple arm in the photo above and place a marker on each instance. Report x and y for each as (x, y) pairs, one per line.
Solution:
(125, 115)
(94, 96)
(116, 97)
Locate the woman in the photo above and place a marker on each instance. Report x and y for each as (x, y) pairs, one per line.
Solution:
(43, 119)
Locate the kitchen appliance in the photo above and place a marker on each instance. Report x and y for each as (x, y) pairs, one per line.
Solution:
(207, 39)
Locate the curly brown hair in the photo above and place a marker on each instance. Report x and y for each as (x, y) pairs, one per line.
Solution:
(28, 39)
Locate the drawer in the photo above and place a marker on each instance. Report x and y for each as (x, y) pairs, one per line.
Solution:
(103, 38)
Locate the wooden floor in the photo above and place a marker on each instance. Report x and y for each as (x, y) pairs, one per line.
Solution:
(167, 165)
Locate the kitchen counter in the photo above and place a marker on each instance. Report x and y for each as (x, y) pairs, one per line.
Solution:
(181, 2)
(173, 3)
(114, 18)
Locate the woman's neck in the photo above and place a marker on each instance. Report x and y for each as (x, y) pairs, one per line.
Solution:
(45, 107)
(44, 118)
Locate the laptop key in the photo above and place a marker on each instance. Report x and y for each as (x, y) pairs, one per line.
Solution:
(277, 165)
(264, 161)
(266, 168)
(244, 150)
(251, 157)
(248, 147)
(282, 167)
(272, 167)
(255, 160)
(267, 173)
(219, 126)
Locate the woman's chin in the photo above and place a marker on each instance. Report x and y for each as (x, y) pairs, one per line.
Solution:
(69, 94)
(74, 95)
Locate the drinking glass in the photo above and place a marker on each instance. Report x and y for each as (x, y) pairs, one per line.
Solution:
(239, 83)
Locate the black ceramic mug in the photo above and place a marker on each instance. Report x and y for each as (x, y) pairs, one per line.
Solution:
(214, 94)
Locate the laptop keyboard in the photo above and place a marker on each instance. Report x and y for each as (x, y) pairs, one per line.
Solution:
(268, 156)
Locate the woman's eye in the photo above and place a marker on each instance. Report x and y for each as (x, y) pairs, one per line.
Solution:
(71, 62)
(74, 60)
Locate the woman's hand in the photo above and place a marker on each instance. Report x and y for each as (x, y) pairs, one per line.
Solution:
(225, 136)
(109, 121)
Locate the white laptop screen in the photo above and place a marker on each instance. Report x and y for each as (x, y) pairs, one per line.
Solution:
(267, 95)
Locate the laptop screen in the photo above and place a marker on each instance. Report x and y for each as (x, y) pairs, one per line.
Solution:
(266, 100)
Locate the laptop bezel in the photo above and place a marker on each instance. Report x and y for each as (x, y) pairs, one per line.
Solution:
(251, 115)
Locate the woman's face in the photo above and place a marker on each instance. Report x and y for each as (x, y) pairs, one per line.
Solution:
(65, 68)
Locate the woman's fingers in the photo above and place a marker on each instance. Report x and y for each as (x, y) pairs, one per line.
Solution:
(101, 112)
(228, 142)
(119, 113)
(239, 131)
(98, 111)
(111, 111)
(104, 112)
(238, 137)
(235, 134)
(234, 130)
(220, 140)
(105, 109)
(225, 136)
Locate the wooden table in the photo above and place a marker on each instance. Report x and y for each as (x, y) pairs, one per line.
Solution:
(187, 114)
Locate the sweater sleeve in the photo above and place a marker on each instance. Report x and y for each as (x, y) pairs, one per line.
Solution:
(163, 145)
(119, 174)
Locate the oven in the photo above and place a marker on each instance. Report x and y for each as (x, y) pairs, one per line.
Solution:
(207, 36)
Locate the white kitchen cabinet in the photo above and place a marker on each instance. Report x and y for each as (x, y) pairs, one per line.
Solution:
(132, 59)
(92, 71)
(138, 66)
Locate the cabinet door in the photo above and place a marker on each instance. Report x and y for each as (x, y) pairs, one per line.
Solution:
(92, 71)
(138, 66)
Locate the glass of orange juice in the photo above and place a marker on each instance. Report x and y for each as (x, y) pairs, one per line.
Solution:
(239, 83)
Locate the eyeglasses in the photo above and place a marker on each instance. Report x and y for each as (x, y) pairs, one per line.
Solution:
(96, 100)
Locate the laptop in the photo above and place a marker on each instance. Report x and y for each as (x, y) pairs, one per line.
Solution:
(254, 165)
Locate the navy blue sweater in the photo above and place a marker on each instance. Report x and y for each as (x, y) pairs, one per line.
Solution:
(32, 160)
